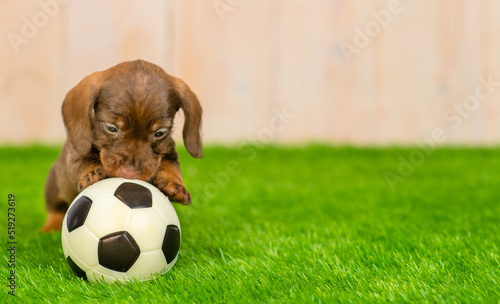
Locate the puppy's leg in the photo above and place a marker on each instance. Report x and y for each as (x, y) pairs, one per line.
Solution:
(92, 172)
(55, 203)
(169, 181)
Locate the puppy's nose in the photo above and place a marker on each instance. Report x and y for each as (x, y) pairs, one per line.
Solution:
(128, 173)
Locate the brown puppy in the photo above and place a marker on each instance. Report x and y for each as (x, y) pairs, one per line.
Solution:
(119, 123)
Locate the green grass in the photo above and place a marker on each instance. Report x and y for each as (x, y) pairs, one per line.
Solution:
(292, 225)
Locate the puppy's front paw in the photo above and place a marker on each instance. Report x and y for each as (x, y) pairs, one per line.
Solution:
(173, 188)
(92, 175)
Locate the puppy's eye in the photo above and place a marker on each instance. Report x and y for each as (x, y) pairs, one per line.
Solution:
(111, 128)
(160, 133)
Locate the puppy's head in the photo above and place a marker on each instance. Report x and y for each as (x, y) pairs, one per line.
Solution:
(126, 114)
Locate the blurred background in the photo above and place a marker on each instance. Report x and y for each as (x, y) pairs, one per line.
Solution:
(371, 72)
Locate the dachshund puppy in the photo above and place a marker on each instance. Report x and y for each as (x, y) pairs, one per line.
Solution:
(119, 124)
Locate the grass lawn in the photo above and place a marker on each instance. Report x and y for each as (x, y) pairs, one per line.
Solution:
(292, 225)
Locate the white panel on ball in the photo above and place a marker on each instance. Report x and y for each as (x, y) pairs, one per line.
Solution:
(147, 227)
(84, 242)
(165, 209)
(96, 192)
(148, 263)
(64, 235)
(109, 276)
(107, 216)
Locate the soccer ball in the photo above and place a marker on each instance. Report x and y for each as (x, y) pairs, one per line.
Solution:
(118, 229)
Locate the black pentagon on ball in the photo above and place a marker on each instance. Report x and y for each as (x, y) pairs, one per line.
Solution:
(171, 243)
(134, 195)
(118, 251)
(78, 213)
(76, 269)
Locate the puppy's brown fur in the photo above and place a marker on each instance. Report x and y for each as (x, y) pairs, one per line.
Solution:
(118, 124)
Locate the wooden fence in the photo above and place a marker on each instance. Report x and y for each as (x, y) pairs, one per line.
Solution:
(342, 71)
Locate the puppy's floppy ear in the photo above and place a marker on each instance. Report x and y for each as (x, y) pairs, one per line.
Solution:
(192, 117)
(78, 112)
